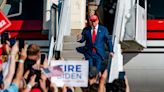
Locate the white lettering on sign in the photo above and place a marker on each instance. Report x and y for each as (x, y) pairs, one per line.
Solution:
(2, 23)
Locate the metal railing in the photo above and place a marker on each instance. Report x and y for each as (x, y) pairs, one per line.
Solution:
(64, 24)
(53, 32)
(117, 60)
(59, 27)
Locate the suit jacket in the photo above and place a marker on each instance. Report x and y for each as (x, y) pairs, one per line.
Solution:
(102, 37)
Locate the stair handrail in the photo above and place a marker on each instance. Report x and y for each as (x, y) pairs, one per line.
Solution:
(117, 60)
(53, 32)
(64, 24)
(50, 53)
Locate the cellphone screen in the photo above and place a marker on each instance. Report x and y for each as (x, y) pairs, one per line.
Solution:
(43, 56)
(12, 41)
(121, 75)
(4, 37)
(21, 44)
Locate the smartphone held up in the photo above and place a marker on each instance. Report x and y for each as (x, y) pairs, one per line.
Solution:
(21, 44)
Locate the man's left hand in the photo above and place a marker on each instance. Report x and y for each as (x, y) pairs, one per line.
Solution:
(111, 54)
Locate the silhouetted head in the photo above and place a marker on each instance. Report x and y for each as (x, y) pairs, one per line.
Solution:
(119, 85)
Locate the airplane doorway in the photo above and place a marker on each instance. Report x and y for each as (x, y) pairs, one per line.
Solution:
(106, 12)
(31, 9)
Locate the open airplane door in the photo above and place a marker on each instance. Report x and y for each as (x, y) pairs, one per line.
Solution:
(134, 37)
(129, 32)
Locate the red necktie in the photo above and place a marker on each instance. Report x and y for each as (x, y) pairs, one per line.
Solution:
(94, 38)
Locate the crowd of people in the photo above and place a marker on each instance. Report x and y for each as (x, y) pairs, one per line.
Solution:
(20, 71)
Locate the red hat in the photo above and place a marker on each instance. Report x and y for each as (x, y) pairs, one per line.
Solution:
(35, 90)
(93, 18)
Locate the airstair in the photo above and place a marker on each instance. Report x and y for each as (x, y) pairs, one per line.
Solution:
(142, 59)
(64, 22)
(126, 34)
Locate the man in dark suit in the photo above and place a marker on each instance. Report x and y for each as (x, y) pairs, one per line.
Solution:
(95, 37)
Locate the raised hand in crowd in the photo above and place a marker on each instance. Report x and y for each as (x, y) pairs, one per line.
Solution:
(26, 74)
(7, 47)
(64, 89)
(23, 83)
(30, 84)
(127, 84)
(42, 82)
(12, 60)
(19, 74)
(67, 89)
(53, 87)
(23, 53)
(15, 49)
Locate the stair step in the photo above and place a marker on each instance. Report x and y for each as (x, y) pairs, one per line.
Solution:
(71, 54)
(74, 32)
(71, 45)
(75, 54)
(70, 39)
(73, 58)
(43, 43)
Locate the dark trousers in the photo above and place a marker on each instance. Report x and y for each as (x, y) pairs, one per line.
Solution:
(94, 60)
